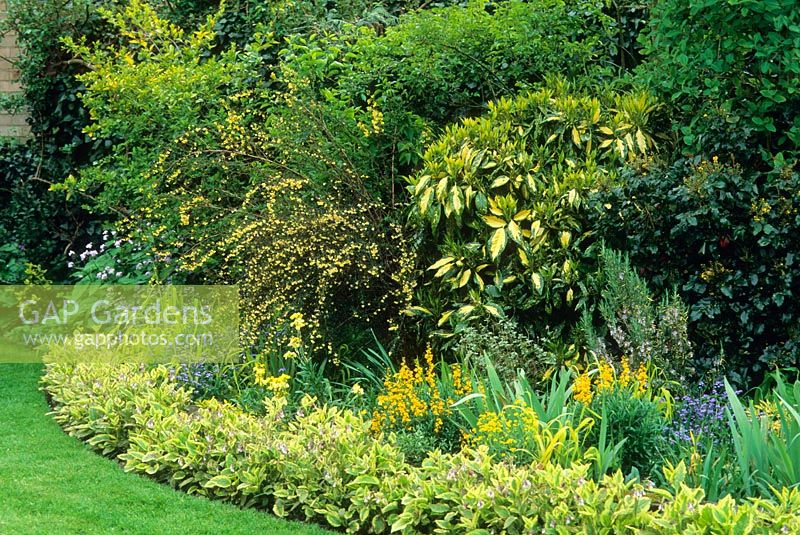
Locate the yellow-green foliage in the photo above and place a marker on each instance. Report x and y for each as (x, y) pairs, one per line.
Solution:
(502, 198)
(152, 85)
(96, 402)
(516, 432)
(297, 251)
(322, 465)
(226, 192)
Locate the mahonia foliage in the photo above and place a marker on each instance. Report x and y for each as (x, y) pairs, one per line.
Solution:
(501, 199)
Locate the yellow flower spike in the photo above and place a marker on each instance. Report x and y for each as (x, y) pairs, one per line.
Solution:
(582, 389)
(430, 375)
(605, 380)
(260, 373)
(625, 376)
(641, 379)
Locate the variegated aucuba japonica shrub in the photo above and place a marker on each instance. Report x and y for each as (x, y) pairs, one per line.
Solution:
(501, 199)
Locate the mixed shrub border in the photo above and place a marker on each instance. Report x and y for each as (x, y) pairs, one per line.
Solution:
(323, 464)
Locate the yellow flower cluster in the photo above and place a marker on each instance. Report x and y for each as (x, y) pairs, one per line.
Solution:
(760, 210)
(584, 389)
(277, 385)
(288, 243)
(768, 410)
(712, 271)
(461, 387)
(605, 377)
(505, 429)
(414, 394)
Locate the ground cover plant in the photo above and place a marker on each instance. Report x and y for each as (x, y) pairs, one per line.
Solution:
(503, 266)
(93, 495)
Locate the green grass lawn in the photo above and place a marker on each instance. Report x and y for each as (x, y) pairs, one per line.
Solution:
(53, 484)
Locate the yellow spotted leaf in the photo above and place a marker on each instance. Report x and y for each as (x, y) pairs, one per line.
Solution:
(425, 201)
(514, 231)
(417, 311)
(458, 205)
(537, 282)
(576, 136)
(523, 257)
(479, 281)
(500, 181)
(641, 142)
(422, 184)
(521, 215)
(466, 310)
(444, 270)
(444, 318)
(493, 310)
(565, 237)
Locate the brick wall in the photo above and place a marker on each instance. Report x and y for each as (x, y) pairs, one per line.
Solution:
(11, 125)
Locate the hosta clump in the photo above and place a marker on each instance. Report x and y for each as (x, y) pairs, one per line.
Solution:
(108, 395)
(500, 201)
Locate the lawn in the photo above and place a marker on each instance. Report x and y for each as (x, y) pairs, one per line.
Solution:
(54, 484)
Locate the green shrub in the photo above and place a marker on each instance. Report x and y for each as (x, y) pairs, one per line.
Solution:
(729, 68)
(144, 91)
(35, 224)
(632, 326)
(446, 63)
(501, 203)
(639, 422)
(504, 343)
(725, 237)
(47, 75)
